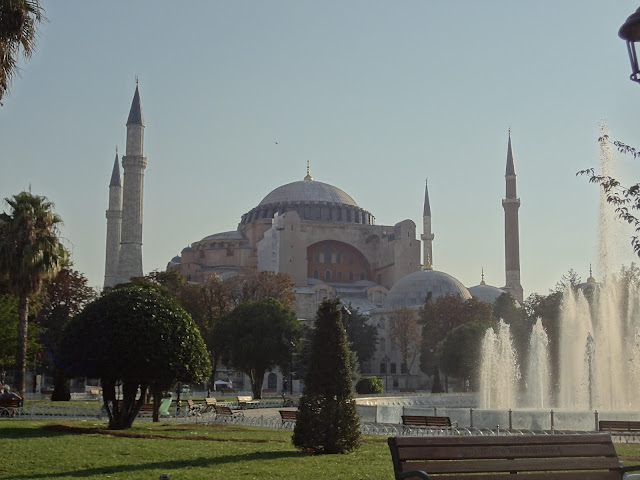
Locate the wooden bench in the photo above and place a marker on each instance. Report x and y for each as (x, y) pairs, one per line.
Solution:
(427, 421)
(619, 426)
(225, 411)
(10, 406)
(288, 415)
(246, 401)
(536, 457)
(145, 410)
(193, 408)
(209, 404)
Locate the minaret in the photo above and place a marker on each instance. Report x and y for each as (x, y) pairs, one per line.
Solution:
(133, 164)
(114, 226)
(427, 237)
(511, 204)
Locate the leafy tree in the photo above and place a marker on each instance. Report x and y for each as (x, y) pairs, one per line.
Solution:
(328, 420)
(459, 353)
(406, 334)
(8, 330)
(571, 279)
(362, 336)
(625, 200)
(138, 337)
(505, 308)
(65, 296)
(260, 335)
(439, 318)
(369, 385)
(18, 30)
(252, 285)
(30, 251)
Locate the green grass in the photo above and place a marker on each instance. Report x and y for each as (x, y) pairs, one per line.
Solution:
(76, 449)
(85, 449)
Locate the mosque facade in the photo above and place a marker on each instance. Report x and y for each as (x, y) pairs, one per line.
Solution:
(323, 240)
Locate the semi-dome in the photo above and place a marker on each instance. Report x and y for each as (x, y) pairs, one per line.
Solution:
(412, 290)
(308, 191)
(486, 293)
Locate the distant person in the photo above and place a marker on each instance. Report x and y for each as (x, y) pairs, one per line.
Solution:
(7, 394)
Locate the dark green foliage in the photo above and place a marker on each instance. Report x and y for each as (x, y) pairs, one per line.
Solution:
(362, 337)
(137, 337)
(260, 335)
(459, 352)
(328, 420)
(369, 385)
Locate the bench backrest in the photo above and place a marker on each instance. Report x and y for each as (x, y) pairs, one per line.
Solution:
(222, 410)
(245, 398)
(10, 402)
(288, 414)
(426, 421)
(624, 425)
(210, 402)
(551, 456)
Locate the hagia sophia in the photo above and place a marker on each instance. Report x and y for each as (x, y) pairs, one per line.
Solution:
(318, 235)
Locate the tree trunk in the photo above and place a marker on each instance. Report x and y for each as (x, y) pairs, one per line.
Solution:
(257, 379)
(21, 350)
(157, 398)
(61, 391)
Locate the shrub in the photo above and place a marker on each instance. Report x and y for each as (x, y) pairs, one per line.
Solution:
(369, 385)
(328, 419)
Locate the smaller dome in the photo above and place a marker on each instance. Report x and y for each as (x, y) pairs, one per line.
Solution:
(188, 249)
(486, 293)
(411, 290)
(176, 259)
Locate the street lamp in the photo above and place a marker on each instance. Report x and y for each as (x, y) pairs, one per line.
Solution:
(385, 360)
(630, 32)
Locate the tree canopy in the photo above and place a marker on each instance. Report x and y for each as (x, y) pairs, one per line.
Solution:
(136, 336)
(259, 335)
(30, 251)
(362, 336)
(19, 20)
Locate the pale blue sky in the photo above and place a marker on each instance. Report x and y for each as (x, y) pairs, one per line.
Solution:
(376, 95)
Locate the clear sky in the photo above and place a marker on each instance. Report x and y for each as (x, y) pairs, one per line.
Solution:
(376, 95)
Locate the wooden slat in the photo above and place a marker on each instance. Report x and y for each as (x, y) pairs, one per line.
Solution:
(519, 465)
(506, 440)
(454, 452)
(536, 476)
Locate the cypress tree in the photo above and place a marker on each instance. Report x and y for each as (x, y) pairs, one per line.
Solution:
(328, 420)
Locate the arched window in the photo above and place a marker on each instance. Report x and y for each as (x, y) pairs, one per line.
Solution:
(327, 275)
(316, 274)
(272, 381)
(383, 344)
(339, 276)
(339, 258)
(327, 256)
(351, 276)
(392, 368)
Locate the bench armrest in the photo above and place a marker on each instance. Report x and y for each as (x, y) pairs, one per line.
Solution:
(415, 473)
(630, 468)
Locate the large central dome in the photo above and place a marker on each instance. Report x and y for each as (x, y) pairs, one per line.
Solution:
(313, 201)
(308, 191)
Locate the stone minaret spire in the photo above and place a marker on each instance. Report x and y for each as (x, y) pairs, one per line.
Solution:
(427, 237)
(133, 164)
(114, 226)
(511, 204)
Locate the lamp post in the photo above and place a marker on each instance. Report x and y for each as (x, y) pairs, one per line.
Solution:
(630, 32)
(293, 347)
(385, 360)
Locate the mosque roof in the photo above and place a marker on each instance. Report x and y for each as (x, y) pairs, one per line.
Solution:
(486, 293)
(308, 191)
(411, 290)
(233, 235)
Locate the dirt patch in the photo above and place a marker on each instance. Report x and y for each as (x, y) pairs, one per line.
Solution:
(65, 428)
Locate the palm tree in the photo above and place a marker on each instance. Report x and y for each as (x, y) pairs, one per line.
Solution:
(18, 21)
(30, 251)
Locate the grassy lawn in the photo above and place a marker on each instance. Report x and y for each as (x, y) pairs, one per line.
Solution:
(84, 449)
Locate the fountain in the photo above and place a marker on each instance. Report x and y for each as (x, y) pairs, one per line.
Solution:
(499, 371)
(599, 342)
